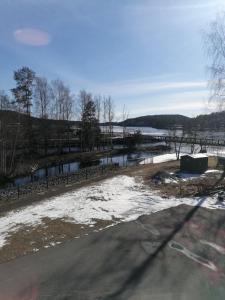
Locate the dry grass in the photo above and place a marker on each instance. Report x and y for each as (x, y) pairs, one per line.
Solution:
(190, 188)
(49, 233)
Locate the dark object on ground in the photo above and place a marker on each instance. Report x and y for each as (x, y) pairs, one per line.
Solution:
(161, 176)
(221, 196)
(196, 163)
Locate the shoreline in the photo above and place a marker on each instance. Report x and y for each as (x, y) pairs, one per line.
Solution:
(139, 170)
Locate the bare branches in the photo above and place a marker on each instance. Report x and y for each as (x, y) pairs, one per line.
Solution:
(62, 106)
(42, 96)
(4, 101)
(215, 45)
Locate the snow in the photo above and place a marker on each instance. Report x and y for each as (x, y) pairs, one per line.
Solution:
(198, 155)
(121, 197)
(171, 157)
(213, 171)
(186, 176)
(160, 159)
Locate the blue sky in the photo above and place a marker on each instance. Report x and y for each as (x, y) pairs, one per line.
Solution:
(146, 54)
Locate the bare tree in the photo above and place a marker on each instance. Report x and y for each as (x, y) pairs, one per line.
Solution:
(177, 140)
(104, 120)
(109, 115)
(98, 112)
(4, 101)
(98, 107)
(42, 95)
(62, 101)
(68, 105)
(215, 45)
(125, 116)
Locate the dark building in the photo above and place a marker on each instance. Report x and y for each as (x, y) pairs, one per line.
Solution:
(195, 163)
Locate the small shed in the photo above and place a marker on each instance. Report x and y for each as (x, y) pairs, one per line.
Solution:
(194, 163)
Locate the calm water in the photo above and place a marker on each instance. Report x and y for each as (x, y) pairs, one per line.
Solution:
(154, 131)
(68, 168)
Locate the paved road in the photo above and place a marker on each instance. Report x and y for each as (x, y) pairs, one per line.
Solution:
(173, 254)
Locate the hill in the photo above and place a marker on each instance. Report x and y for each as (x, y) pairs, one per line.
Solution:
(157, 121)
(213, 121)
(40, 127)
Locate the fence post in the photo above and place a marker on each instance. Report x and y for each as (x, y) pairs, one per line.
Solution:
(67, 178)
(18, 191)
(47, 182)
(86, 174)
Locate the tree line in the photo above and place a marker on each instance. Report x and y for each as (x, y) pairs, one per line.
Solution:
(35, 96)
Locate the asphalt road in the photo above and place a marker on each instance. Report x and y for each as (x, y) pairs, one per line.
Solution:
(177, 253)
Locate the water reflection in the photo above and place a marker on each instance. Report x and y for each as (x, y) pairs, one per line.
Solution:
(71, 167)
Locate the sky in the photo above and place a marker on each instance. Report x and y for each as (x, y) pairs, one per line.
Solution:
(147, 54)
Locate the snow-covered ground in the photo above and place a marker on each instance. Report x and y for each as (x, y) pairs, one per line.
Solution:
(167, 157)
(159, 159)
(187, 176)
(121, 197)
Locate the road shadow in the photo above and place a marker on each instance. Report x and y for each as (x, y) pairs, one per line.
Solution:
(138, 273)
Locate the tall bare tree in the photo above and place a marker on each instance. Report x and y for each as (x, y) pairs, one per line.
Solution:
(109, 115)
(177, 138)
(62, 100)
(4, 101)
(215, 45)
(125, 116)
(98, 106)
(42, 95)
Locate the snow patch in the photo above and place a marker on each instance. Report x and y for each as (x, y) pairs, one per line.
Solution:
(121, 197)
(160, 158)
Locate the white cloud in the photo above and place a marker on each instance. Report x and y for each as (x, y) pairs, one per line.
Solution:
(186, 102)
(184, 6)
(144, 86)
(157, 18)
(32, 37)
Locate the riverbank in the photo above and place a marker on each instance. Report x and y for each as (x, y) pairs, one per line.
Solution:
(137, 170)
(71, 162)
(72, 211)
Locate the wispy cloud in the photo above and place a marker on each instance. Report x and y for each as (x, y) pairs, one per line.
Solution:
(139, 17)
(32, 37)
(145, 86)
(181, 102)
(145, 6)
(154, 96)
(190, 6)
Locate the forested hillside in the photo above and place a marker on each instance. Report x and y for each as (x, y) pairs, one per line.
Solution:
(157, 121)
(213, 121)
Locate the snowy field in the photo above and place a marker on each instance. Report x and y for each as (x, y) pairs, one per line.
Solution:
(168, 157)
(160, 159)
(121, 197)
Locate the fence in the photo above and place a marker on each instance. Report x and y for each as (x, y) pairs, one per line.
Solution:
(43, 184)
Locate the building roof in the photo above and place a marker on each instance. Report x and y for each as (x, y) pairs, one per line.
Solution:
(197, 155)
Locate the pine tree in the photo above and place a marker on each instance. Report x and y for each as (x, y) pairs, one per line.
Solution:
(90, 129)
(24, 78)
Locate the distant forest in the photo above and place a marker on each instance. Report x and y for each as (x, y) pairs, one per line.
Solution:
(213, 121)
